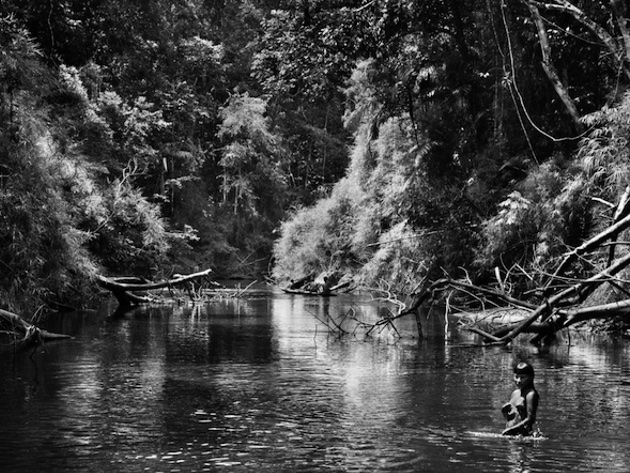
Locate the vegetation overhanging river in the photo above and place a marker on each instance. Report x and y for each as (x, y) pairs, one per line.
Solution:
(258, 384)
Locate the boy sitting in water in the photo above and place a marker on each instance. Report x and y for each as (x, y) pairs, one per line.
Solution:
(520, 411)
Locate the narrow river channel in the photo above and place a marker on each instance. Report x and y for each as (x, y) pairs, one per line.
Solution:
(257, 384)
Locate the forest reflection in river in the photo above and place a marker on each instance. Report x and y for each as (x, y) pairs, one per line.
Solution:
(257, 384)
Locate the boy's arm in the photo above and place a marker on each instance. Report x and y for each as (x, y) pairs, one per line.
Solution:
(532, 406)
(515, 429)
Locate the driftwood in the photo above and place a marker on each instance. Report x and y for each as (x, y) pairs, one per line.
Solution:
(24, 334)
(130, 291)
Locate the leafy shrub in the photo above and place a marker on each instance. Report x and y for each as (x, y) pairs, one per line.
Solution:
(44, 251)
(61, 221)
(400, 260)
(318, 238)
(130, 237)
(365, 226)
(536, 223)
(553, 208)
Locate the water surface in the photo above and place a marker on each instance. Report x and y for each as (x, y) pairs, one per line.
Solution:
(259, 384)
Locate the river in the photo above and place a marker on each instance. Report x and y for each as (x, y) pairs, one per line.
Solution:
(258, 384)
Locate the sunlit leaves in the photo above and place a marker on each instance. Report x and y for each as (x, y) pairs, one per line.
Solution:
(311, 60)
(249, 158)
(20, 56)
(244, 116)
(604, 151)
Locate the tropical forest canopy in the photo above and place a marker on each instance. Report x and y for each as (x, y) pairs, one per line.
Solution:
(390, 139)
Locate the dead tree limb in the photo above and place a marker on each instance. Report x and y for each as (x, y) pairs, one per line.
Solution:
(581, 289)
(605, 310)
(546, 317)
(486, 335)
(575, 316)
(23, 333)
(124, 289)
(620, 212)
(556, 298)
(549, 67)
(442, 284)
(588, 246)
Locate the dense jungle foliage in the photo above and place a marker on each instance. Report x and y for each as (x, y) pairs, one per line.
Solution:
(388, 139)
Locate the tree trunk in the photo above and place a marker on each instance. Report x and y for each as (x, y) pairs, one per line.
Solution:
(549, 68)
(620, 52)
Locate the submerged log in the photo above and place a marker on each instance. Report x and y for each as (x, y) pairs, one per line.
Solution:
(126, 289)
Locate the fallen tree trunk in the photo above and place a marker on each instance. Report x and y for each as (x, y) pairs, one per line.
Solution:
(575, 316)
(590, 245)
(496, 336)
(558, 302)
(555, 302)
(620, 212)
(23, 333)
(544, 318)
(125, 289)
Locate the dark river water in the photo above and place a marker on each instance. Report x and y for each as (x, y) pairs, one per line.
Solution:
(258, 384)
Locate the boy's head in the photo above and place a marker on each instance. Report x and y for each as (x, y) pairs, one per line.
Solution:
(524, 368)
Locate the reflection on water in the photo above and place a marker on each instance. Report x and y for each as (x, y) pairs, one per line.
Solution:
(260, 385)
